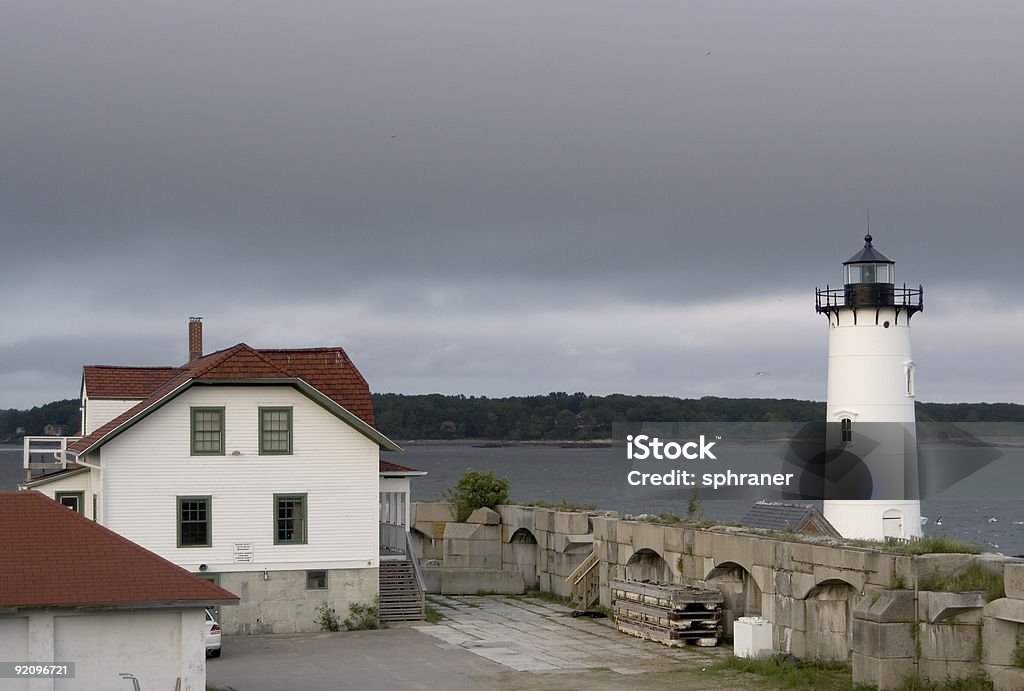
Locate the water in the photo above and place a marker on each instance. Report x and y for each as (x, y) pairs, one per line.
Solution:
(597, 477)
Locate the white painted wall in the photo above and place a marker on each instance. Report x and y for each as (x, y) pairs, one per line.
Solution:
(76, 483)
(157, 646)
(146, 468)
(99, 411)
(867, 382)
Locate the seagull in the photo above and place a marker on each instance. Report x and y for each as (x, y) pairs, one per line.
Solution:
(993, 519)
(761, 373)
(707, 53)
(938, 521)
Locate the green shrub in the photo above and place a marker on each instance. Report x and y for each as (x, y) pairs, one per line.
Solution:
(474, 490)
(363, 617)
(327, 618)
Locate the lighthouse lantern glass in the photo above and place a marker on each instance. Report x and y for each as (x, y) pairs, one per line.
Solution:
(869, 273)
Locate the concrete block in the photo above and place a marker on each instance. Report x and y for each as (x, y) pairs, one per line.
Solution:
(432, 511)
(881, 673)
(1005, 678)
(783, 583)
(1000, 641)
(605, 528)
(543, 519)
(801, 552)
(675, 540)
(1007, 609)
(764, 577)
(935, 607)
(950, 642)
(766, 553)
(703, 543)
(1013, 578)
(518, 517)
(827, 556)
(883, 641)
(624, 532)
(801, 584)
(827, 616)
(888, 607)
(828, 645)
(573, 523)
(484, 516)
(942, 566)
(826, 573)
(941, 671)
(454, 581)
(566, 543)
(649, 536)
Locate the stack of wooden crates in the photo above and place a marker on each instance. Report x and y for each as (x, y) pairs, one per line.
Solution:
(668, 613)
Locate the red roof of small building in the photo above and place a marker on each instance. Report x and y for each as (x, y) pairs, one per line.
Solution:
(55, 557)
(389, 467)
(109, 381)
(328, 370)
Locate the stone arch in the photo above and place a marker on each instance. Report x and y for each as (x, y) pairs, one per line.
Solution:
(740, 590)
(521, 553)
(646, 564)
(828, 613)
(522, 536)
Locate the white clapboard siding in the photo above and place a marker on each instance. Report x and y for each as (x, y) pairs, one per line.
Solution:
(100, 411)
(149, 466)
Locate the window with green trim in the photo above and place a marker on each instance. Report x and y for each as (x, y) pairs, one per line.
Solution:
(289, 519)
(275, 431)
(73, 500)
(207, 431)
(194, 527)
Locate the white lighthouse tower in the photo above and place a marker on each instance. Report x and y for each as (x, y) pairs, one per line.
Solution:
(871, 489)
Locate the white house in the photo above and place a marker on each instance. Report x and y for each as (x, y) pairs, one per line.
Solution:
(258, 469)
(72, 591)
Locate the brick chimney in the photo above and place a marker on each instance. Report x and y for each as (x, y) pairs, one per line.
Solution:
(195, 338)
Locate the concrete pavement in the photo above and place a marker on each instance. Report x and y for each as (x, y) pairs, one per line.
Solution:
(484, 643)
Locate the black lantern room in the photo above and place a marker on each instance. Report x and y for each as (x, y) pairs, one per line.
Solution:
(869, 282)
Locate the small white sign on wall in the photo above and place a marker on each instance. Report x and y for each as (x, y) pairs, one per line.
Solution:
(243, 552)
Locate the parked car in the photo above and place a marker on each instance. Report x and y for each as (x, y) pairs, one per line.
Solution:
(212, 635)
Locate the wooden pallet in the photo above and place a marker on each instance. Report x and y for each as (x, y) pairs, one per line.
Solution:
(669, 613)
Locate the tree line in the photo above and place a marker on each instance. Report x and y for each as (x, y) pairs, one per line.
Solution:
(578, 417)
(556, 416)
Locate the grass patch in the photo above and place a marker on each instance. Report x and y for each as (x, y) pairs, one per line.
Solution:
(560, 506)
(787, 673)
(933, 544)
(431, 615)
(1018, 656)
(975, 578)
(482, 592)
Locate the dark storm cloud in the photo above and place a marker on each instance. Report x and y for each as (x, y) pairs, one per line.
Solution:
(407, 164)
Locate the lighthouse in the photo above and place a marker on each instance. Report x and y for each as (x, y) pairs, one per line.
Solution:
(871, 487)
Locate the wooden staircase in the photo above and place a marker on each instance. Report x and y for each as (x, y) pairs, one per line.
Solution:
(401, 598)
(585, 582)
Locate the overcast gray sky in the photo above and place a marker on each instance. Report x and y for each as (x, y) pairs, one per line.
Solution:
(500, 198)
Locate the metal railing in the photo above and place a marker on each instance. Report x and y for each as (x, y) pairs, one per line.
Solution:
(831, 298)
(410, 551)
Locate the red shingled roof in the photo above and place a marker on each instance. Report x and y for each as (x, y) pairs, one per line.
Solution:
(53, 556)
(389, 467)
(108, 381)
(329, 370)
